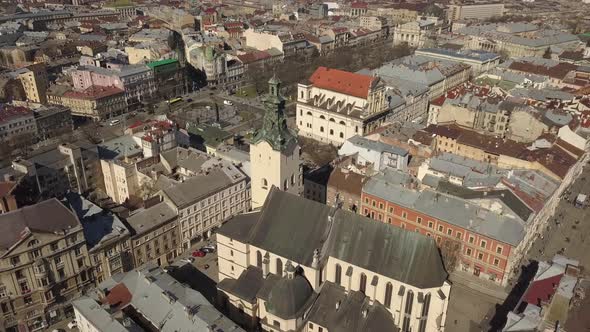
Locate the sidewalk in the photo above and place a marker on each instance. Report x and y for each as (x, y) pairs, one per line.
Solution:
(479, 285)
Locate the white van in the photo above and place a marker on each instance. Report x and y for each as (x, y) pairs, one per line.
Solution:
(228, 102)
(114, 122)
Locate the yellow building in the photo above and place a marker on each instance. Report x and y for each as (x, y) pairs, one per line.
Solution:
(34, 81)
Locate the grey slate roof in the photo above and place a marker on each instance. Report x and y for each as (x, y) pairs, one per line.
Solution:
(48, 216)
(197, 187)
(289, 297)
(240, 227)
(402, 255)
(100, 226)
(451, 209)
(368, 144)
(292, 227)
(168, 304)
(349, 315)
(152, 217)
(246, 286)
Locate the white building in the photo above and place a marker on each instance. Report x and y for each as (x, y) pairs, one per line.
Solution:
(296, 263)
(336, 105)
(375, 153)
(274, 151)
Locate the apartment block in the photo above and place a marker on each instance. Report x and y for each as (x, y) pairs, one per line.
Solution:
(43, 266)
(17, 123)
(34, 81)
(478, 10)
(482, 240)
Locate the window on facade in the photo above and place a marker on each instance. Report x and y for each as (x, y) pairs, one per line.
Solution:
(468, 252)
(331, 131)
(483, 244)
(390, 210)
(471, 239)
(264, 183)
(338, 274)
(363, 283)
(424, 314)
(496, 262)
(408, 311)
(259, 259)
(33, 243)
(480, 256)
(404, 215)
(279, 267)
(14, 260)
(276, 323)
(321, 129)
(499, 250)
(389, 220)
(440, 228)
(322, 117)
(309, 113)
(285, 185)
(388, 293)
(458, 235)
(449, 231)
(430, 224)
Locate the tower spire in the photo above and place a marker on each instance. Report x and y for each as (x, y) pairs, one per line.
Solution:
(274, 126)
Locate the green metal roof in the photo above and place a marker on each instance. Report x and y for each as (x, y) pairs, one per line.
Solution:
(161, 63)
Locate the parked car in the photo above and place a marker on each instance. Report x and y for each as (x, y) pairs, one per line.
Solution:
(114, 122)
(199, 253)
(188, 260)
(72, 324)
(228, 102)
(208, 248)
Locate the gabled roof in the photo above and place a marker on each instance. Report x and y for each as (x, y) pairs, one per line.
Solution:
(48, 216)
(293, 227)
(344, 82)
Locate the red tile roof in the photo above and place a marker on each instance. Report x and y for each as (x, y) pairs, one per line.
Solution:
(348, 83)
(541, 291)
(94, 92)
(9, 112)
(361, 5)
(119, 296)
(254, 56)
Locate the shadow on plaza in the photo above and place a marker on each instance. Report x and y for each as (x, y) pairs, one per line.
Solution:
(197, 280)
(527, 274)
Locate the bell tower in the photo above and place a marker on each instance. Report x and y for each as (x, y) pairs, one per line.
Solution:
(274, 151)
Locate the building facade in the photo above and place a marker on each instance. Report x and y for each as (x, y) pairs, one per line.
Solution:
(17, 123)
(485, 252)
(336, 105)
(34, 81)
(44, 265)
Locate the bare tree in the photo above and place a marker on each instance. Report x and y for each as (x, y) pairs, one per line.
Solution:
(450, 251)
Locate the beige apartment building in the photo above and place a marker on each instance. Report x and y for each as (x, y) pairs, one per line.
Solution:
(120, 179)
(44, 265)
(98, 103)
(335, 105)
(156, 238)
(34, 81)
(17, 123)
(478, 10)
(206, 200)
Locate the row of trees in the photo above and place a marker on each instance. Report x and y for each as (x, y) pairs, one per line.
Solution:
(299, 67)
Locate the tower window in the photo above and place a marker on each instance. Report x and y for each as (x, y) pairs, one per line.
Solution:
(264, 183)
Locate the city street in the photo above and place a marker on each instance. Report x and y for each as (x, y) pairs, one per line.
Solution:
(201, 274)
